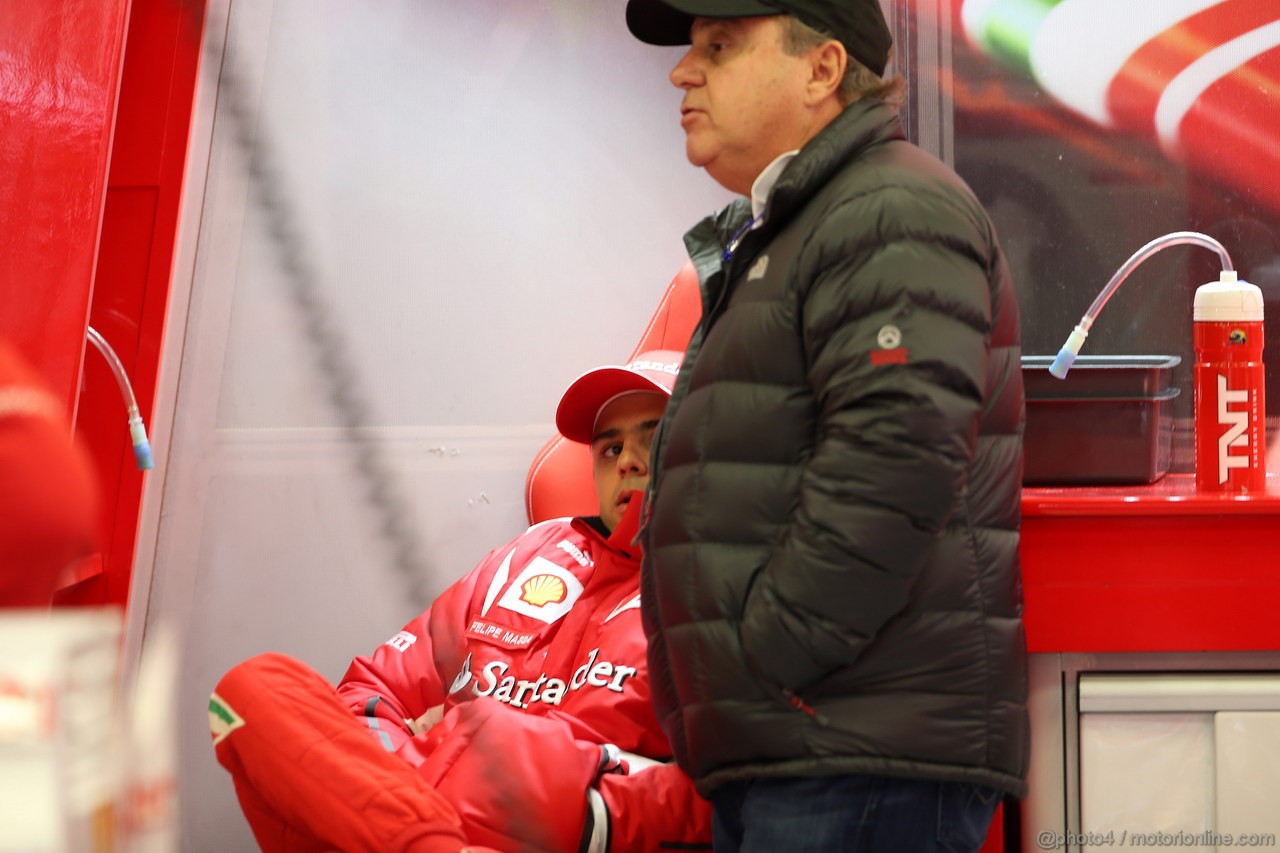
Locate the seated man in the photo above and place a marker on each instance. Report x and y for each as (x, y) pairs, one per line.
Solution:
(517, 705)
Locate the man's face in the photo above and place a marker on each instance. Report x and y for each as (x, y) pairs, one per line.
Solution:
(620, 450)
(744, 98)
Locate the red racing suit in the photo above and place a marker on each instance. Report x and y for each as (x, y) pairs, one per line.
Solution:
(521, 696)
(547, 626)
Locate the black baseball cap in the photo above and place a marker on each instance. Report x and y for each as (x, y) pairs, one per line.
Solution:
(858, 24)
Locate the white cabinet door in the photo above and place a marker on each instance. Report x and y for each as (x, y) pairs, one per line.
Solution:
(1182, 759)
(1247, 747)
(1146, 773)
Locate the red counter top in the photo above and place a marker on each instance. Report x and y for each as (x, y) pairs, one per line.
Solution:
(1158, 568)
(1173, 494)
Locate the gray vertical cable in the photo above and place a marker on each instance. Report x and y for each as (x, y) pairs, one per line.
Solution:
(324, 337)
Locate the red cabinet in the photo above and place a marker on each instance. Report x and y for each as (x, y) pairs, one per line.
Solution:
(1156, 568)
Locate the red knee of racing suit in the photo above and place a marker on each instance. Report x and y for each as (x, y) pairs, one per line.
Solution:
(307, 774)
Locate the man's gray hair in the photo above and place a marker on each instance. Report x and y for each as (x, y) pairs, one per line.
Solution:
(859, 81)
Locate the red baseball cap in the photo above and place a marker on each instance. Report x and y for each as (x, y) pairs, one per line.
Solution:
(654, 372)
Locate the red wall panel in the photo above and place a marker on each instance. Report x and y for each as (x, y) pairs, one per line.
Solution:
(89, 198)
(134, 266)
(59, 69)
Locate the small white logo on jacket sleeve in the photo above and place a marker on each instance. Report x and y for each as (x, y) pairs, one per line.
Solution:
(402, 641)
(889, 336)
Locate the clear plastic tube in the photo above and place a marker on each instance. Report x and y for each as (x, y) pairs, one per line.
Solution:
(1071, 348)
(137, 430)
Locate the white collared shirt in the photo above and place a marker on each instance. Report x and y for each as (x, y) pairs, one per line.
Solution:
(763, 186)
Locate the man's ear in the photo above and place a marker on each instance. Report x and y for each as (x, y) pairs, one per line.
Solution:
(828, 64)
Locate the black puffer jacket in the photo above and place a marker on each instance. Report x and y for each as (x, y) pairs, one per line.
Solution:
(831, 575)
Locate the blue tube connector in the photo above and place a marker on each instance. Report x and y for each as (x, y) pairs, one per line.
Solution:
(142, 455)
(141, 446)
(1067, 355)
(1062, 363)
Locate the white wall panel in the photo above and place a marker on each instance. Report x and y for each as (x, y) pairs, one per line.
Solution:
(492, 196)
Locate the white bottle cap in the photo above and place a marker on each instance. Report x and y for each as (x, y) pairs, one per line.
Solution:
(1228, 301)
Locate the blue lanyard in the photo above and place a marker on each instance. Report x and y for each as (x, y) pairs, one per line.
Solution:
(727, 254)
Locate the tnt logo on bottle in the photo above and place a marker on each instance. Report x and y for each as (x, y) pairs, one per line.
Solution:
(1237, 434)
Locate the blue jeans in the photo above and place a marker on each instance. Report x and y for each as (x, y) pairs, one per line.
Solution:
(851, 814)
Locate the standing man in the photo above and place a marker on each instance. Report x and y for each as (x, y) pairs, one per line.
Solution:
(830, 585)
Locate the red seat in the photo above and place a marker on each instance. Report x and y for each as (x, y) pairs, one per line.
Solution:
(559, 483)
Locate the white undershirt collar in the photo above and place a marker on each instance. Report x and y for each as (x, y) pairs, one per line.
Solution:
(763, 186)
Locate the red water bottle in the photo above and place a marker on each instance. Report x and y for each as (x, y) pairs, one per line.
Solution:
(1230, 429)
